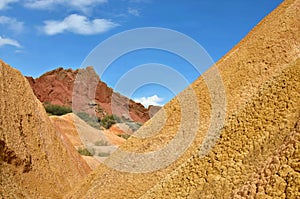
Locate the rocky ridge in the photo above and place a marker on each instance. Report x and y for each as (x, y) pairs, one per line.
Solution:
(56, 87)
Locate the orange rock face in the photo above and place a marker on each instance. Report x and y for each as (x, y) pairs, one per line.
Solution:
(36, 161)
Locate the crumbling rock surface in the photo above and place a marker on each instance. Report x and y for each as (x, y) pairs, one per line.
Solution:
(257, 153)
(35, 160)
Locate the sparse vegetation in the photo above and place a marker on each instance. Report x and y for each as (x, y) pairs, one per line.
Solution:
(101, 143)
(91, 120)
(125, 136)
(103, 154)
(86, 152)
(56, 109)
(100, 110)
(109, 120)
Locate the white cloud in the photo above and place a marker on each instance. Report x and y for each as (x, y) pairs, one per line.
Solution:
(4, 3)
(12, 23)
(8, 41)
(133, 12)
(153, 100)
(78, 24)
(49, 4)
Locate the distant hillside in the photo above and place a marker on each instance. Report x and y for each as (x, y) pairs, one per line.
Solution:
(100, 143)
(56, 87)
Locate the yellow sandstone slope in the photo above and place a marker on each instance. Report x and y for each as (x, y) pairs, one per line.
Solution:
(258, 154)
(35, 160)
(258, 149)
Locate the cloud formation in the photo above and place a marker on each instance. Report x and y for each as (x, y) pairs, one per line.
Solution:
(78, 24)
(12, 24)
(8, 41)
(49, 4)
(133, 12)
(4, 3)
(152, 100)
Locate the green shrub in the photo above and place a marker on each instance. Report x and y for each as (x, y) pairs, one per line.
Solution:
(86, 117)
(103, 154)
(56, 109)
(86, 152)
(101, 143)
(125, 136)
(91, 120)
(95, 122)
(109, 120)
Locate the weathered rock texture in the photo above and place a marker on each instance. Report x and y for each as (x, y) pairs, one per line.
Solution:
(56, 87)
(258, 154)
(35, 160)
(258, 150)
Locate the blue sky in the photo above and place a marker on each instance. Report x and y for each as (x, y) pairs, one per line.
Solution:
(40, 35)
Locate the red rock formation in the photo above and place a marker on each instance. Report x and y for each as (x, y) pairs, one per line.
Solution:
(56, 87)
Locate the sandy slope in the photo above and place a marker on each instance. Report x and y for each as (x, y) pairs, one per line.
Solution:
(261, 82)
(36, 161)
